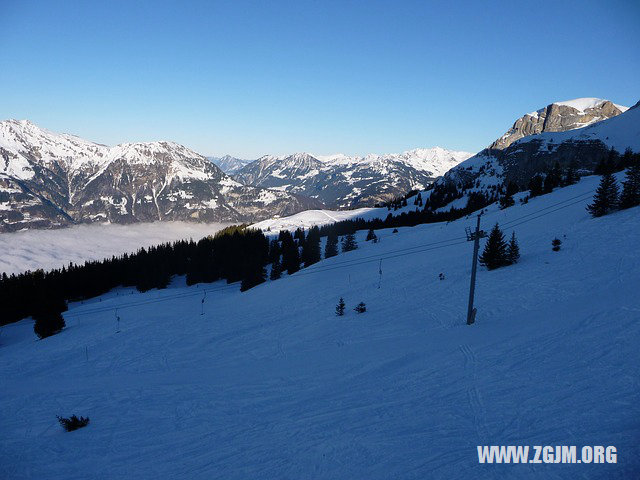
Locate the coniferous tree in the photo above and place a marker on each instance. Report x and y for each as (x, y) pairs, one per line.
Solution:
(361, 307)
(349, 242)
(513, 249)
(331, 248)
(371, 235)
(631, 188)
(606, 198)
(571, 176)
(535, 186)
(494, 254)
(290, 254)
(276, 270)
(340, 307)
(274, 251)
(553, 178)
(311, 248)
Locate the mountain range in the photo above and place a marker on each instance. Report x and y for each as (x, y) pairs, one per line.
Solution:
(50, 180)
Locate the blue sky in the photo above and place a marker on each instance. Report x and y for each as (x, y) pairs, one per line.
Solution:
(250, 78)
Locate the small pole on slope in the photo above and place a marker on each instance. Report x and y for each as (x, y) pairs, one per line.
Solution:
(380, 273)
(202, 303)
(475, 237)
(117, 322)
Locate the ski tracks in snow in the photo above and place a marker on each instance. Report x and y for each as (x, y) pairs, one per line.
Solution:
(474, 396)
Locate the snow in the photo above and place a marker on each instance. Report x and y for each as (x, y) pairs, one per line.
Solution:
(270, 384)
(33, 249)
(583, 104)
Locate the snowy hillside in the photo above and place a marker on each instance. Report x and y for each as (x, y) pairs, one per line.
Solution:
(47, 249)
(341, 181)
(271, 384)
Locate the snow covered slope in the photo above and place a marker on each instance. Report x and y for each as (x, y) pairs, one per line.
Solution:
(342, 181)
(51, 180)
(271, 384)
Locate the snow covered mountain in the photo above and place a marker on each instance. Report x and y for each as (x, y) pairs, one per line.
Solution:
(50, 180)
(343, 181)
(229, 164)
(582, 148)
(560, 117)
(269, 383)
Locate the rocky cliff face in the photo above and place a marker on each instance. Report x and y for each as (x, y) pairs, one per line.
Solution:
(582, 148)
(50, 180)
(559, 117)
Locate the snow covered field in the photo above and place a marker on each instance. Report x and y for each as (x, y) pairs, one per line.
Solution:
(271, 384)
(32, 249)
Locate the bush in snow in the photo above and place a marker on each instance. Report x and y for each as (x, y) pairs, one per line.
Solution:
(340, 307)
(555, 244)
(73, 422)
(361, 307)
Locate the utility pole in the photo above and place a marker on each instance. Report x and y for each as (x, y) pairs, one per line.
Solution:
(475, 237)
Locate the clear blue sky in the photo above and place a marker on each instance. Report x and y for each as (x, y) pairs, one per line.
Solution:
(250, 78)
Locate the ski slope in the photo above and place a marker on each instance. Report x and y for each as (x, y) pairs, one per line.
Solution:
(271, 384)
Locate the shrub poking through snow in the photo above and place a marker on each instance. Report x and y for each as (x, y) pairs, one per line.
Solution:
(555, 244)
(361, 307)
(340, 307)
(73, 422)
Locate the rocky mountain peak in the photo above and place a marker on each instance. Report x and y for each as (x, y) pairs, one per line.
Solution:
(559, 117)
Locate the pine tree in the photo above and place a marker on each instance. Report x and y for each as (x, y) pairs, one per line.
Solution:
(553, 178)
(506, 201)
(631, 188)
(535, 186)
(290, 254)
(571, 176)
(331, 248)
(311, 248)
(276, 270)
(47, 324)
(349, 242)
(361, 307)
(494, 254)
(513, 249)
(606, 198)
(371, 235)
(340, 307)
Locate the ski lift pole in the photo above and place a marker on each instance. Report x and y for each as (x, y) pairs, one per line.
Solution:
(475, 236)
